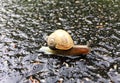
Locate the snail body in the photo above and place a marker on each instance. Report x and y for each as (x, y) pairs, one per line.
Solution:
(75, 50)
(60, 42)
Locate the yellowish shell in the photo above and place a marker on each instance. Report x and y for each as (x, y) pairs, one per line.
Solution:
(60, 39)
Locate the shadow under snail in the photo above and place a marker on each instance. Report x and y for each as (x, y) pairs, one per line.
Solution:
(60, 42)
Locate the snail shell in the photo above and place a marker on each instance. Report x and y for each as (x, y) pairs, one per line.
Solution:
(60, 39)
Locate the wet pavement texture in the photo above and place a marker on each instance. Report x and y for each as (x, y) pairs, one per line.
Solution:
(24, 24)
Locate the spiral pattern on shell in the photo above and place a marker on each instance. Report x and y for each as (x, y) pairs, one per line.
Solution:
(60, 39)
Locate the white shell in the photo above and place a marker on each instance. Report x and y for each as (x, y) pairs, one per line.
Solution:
(60, 39)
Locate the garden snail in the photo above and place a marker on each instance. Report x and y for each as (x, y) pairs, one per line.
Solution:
(60, 42)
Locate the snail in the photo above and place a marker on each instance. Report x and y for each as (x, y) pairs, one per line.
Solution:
(60, 42)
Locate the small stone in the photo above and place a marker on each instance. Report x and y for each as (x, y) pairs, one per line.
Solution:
(77, 1)
(66, 64)
(87, 79)
(115, 66)
(58, 23)
(42, 81)
(60, 80)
